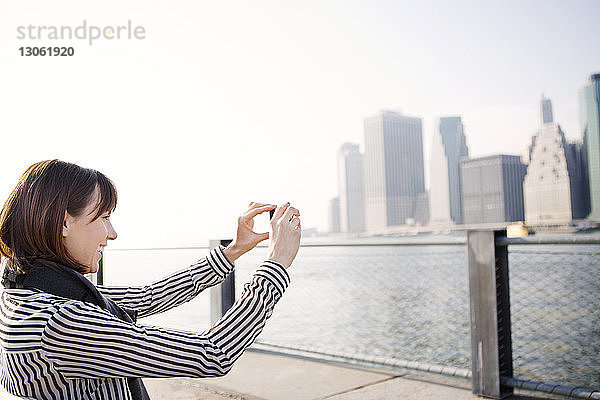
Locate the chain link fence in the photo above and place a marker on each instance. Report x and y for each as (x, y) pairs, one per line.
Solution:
(555, 313)
(410, 303)
(402, 302)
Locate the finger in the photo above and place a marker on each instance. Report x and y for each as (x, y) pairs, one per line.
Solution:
(295, 222)
(255, 211)
(254, 205)
(279, 211)
(263, 236)
(289, 213)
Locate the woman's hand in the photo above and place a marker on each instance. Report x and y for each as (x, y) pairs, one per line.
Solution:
(246, 239)
(286, 232)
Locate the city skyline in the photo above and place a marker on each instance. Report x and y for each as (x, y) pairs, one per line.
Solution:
(547, 184)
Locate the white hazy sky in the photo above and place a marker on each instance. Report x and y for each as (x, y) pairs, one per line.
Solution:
(226, 102)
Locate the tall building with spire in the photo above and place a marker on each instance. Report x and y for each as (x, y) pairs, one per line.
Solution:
(546, 114)
(590, 123)
(394, 171)
(553, 187)
(351, 186)
(448, 147)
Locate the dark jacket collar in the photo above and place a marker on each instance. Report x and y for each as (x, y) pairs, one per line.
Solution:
(59, 280)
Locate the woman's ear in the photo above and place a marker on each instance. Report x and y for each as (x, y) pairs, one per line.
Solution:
(66, 224)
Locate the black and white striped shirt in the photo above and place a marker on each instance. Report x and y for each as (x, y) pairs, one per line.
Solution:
(57, 348)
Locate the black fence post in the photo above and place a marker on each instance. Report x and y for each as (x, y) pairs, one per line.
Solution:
(503, 309)
(491, 346)
(222, 296)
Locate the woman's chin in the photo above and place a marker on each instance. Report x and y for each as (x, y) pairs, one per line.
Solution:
(92, 267)
(95, 264)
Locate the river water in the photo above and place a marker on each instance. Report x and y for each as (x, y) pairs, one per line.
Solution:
(409, 302)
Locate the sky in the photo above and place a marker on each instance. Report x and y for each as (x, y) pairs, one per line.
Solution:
(223, 103)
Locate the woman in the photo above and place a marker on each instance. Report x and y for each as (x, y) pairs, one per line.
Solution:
(63, 338)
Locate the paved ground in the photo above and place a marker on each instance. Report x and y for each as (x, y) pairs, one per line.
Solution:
(263, 376)
(260, 375)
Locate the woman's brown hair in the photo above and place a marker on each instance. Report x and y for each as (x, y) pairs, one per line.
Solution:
(32, 217)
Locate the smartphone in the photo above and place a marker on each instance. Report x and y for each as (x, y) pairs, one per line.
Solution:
(262, 222)
(272, 212)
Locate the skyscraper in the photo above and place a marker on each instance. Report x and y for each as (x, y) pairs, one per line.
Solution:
(394, 174)
(447, 148)
(334, 215)
(351, 187)
(552, 189)
(590, 123)
(492, 189)
(580, 191)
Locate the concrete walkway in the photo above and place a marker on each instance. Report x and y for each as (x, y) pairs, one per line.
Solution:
(267, 375)
(261, 375)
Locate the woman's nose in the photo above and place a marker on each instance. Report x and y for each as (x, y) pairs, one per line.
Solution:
(112, 234)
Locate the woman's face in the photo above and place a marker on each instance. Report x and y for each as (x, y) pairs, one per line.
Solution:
(85, 239)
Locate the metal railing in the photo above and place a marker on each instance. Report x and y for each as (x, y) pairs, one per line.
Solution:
(374, 301)
(445, 307)
(554, 314)
(515, 325)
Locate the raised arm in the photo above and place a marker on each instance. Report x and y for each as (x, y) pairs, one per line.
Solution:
(84, 341)
(175, 289)
(184, 285)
